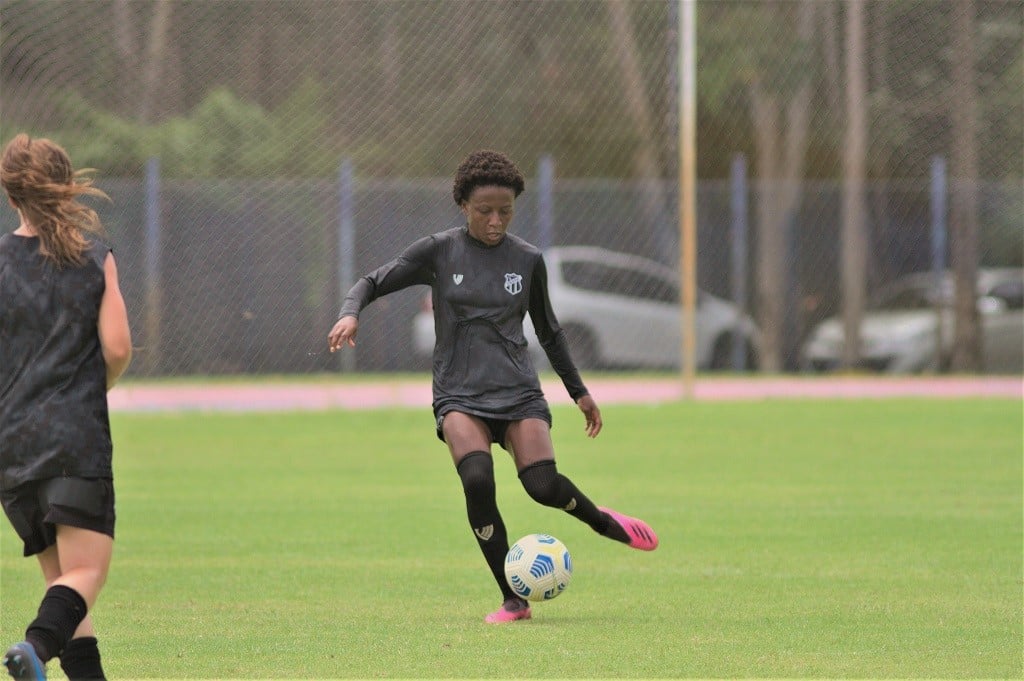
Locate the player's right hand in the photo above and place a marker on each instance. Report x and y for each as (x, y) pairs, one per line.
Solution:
(344, 331)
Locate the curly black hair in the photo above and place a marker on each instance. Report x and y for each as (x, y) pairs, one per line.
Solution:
(486, 168)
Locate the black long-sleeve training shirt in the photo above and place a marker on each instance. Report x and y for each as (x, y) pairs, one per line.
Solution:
(481, 295)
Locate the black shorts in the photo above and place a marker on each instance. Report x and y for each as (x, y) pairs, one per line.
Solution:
(36, 508)
(497, 427)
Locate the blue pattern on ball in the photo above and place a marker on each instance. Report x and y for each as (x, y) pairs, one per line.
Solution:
(539, 568)
(542, 565)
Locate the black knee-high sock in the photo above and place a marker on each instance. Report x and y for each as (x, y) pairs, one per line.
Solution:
(547, 486)
(81, 660)
(477, 472)
(60, 613)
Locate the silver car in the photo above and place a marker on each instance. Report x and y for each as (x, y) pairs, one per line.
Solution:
(899, 331)
(622, 311)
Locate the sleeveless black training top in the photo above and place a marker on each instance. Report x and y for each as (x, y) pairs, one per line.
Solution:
(53, 394)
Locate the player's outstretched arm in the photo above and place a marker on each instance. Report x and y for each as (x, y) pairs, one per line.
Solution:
(344, 331)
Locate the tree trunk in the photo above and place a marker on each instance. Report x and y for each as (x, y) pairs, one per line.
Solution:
(155, 55)
(769, 254)
(780, 166)
(128, 55)
(830, 53)
(964, 196)
(646, 160)
(854, 240)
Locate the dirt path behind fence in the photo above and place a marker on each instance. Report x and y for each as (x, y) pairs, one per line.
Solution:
(266, 395)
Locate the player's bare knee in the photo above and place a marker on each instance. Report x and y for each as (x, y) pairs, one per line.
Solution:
(88, 580)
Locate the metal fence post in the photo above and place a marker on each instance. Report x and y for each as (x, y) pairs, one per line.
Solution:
(545, 202)
(738, 247)
(152, 321)
(938, 196)
(346, 247)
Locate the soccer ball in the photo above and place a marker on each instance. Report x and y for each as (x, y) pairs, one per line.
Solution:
(538, 567)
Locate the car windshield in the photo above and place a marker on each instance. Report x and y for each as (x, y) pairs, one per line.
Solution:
(620, 281)
(916, 297)
(922, 294)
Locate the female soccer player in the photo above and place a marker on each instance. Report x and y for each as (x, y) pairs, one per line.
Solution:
(485, 387)
(65, 341)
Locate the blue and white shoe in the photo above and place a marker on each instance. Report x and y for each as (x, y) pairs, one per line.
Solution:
(23, 663)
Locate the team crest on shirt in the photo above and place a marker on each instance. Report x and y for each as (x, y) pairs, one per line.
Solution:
(513, 283)
(457, 278)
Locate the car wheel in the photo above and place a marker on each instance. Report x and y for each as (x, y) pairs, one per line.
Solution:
(721, 356)
(583, 347)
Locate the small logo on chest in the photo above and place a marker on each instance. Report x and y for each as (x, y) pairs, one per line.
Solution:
(457, 278)
(513, 283)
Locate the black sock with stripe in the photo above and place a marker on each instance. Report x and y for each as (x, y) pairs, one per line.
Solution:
(547, 486)
(476, 470)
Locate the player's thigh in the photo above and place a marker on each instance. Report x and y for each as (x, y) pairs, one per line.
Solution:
(81, 549)
(529, 442)
(49, 563)
(464, 433)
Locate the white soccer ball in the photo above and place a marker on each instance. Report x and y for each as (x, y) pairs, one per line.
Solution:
(538, 567)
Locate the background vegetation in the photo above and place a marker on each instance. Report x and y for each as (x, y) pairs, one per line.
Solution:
(840, 109)
(238, 88)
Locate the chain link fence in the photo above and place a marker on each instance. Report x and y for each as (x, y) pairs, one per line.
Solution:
(260, 154)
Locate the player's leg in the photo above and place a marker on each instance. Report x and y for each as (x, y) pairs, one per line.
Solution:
(74, 520)
(62, 614)
(27, 660)
(469, 441)
(529, 441)
(75, 570)
(80, 658)
(84, 562)
(50, 564)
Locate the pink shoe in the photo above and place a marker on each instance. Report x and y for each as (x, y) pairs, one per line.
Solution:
(511, 610)
(641, 536)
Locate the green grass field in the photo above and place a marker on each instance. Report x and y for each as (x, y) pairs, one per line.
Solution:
(827, 539)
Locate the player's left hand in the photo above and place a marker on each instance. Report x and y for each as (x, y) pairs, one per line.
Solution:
(589, 408)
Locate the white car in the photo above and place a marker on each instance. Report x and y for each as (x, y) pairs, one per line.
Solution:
(899, 331)
(622, 311)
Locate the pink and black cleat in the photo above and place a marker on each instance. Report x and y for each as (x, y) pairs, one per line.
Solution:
(640, 534)
(511, 610)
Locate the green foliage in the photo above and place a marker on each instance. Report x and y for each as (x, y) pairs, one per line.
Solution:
(298, 144)
(1002, 240)
(223, 136)
(98, 139)
(824, 539)
(1001, 98)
